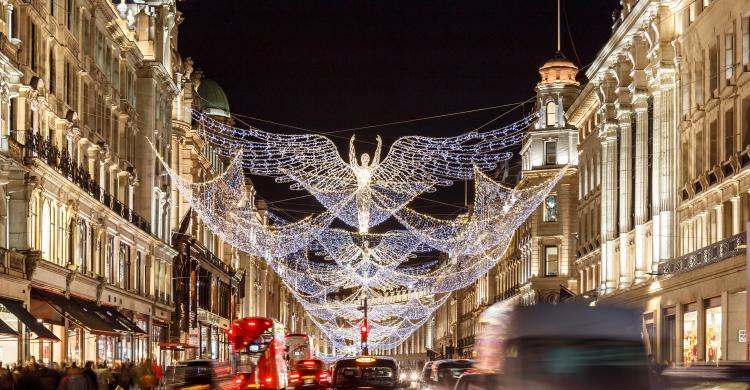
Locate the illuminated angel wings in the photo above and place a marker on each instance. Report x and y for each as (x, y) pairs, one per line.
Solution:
(412, 166)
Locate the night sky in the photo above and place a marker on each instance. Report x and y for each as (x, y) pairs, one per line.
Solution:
(334, 65)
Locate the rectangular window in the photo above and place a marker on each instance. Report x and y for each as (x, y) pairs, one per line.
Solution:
(52, 75)
(69, 10)
(699, 85)
(728, 133)
(125, 266)
(32, 47)
(138, 267)
(550, 152)
(698, 152)
(52, 7)
(86, 40)
(745, 40)
(745, 122)
(109, 267)
(686, 94)
(713, 70)
(550, 209)
(713, 144)
(690, 333)
(551, 261)
(728, 56)
(713, 330)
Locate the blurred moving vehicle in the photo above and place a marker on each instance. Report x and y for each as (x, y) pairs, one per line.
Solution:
(297, 348)
(445, 373)
(198, 375)
(309, 374)
(477, 381)
(378, 373)
(423, 382)
(566, 347)
(259, 353)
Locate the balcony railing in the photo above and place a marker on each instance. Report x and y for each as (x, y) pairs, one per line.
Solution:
(45, 150)
(724, 249)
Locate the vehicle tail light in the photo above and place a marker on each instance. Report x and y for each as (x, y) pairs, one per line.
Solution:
(293, 377)
(239, 380)
(323, 376)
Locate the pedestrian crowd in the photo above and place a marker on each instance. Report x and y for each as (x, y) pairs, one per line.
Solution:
(118, 376)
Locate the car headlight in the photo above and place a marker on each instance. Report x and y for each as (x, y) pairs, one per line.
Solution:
(414, 376)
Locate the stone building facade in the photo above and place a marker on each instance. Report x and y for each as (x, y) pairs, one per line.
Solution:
(663, 123)
(215, 283)
(85, 226)
(662, 128)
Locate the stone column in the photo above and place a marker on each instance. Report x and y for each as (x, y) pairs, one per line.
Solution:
(719, 210)
(736, 215)
(609, 199)
(657, 157)
(668, 166)
(641, 186)
(625, 191)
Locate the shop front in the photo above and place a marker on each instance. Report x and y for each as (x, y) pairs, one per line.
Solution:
(97, 333)
(43, 337)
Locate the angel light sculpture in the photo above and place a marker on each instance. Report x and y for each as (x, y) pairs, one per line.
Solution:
(364, 193)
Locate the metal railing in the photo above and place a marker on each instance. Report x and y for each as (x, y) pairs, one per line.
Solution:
(45, 150)
(718, 251)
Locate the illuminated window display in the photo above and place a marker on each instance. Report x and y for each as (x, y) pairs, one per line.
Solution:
(713, 333)
(690, 336)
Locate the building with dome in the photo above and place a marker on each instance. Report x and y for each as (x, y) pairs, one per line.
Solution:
(214, 283)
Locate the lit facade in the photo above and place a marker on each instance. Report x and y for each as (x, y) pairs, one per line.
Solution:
(85, 207)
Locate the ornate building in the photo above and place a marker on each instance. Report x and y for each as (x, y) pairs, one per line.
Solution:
(663, 142)
(85, 214)
(214, 283)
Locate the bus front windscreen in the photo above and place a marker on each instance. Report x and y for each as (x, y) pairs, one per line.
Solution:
(248, 356)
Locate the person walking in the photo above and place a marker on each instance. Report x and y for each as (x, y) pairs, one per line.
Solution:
(157, 372)
(48, 378)
(125, 376)
(145, 375)
(74, 379)
(88, 372)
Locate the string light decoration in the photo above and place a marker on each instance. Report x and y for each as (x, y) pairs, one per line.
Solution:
(329, 271)
(364, 192)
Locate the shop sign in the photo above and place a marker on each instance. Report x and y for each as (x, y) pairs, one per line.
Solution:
(742, 335)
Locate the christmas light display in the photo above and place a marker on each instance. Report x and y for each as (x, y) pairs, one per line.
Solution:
(364, 193)
(329, 270)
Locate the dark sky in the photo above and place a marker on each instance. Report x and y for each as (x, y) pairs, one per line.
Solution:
(333, 65)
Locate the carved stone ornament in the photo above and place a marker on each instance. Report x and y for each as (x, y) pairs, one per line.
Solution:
(4, 91)
(69, 279)
(100, 289)
(32, 261)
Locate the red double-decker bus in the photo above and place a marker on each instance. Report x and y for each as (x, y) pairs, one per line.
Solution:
(258, 353)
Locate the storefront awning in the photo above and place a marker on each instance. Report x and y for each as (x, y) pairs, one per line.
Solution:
(79, 313)
(110, 315)
(6, 330)
(31, 323)
(120, 318)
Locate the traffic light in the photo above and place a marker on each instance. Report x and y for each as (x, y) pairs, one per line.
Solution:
(363, 330)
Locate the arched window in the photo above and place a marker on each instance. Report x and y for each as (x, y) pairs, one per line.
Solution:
(551, 110)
